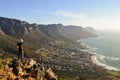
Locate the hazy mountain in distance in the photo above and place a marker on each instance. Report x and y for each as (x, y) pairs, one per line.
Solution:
(90, 29)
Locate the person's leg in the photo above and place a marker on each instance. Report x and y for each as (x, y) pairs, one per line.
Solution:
(22, 56)
(19, 56)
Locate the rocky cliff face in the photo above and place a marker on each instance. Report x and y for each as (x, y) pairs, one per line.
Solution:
(13, 26)
(21, 28)
(69, 32)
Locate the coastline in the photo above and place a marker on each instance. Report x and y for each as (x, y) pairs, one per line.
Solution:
(95, 61)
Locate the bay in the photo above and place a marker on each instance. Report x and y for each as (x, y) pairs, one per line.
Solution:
(108, 46)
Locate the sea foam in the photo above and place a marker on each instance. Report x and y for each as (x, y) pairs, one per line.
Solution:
(97, 62)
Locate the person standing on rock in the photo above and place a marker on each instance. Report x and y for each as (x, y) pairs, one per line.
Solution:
(20, 50)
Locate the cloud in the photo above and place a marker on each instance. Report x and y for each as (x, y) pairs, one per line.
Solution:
(69, 14)
(73, 18)
(65, 14)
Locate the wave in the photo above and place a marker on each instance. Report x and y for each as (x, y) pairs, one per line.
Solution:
(102, 57)
(92, 50)
(112, 58)
(99, 59)
(97, 62)
(96, 57)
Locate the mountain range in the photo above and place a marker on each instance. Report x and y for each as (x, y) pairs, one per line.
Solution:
(35, 35)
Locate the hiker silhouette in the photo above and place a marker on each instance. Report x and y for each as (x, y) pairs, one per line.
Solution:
(20, 50)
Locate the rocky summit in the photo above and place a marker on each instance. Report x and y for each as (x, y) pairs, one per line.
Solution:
(28, 69)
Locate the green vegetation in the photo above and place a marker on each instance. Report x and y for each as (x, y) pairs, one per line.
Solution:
(97, 75)
(113, 73)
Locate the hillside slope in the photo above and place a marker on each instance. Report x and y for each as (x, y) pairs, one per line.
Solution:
(36, 35)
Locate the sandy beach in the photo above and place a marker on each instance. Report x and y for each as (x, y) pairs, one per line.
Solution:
(95, 61)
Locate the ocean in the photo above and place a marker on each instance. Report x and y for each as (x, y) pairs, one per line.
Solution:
(107, 48)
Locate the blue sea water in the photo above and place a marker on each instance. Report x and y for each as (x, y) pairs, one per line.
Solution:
(108, 46)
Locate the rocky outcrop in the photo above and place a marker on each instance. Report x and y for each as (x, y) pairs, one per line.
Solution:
(28, 69)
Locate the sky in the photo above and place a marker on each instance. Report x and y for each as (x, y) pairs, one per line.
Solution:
(99, 14)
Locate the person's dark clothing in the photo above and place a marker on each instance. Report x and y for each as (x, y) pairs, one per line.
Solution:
(20, 51)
